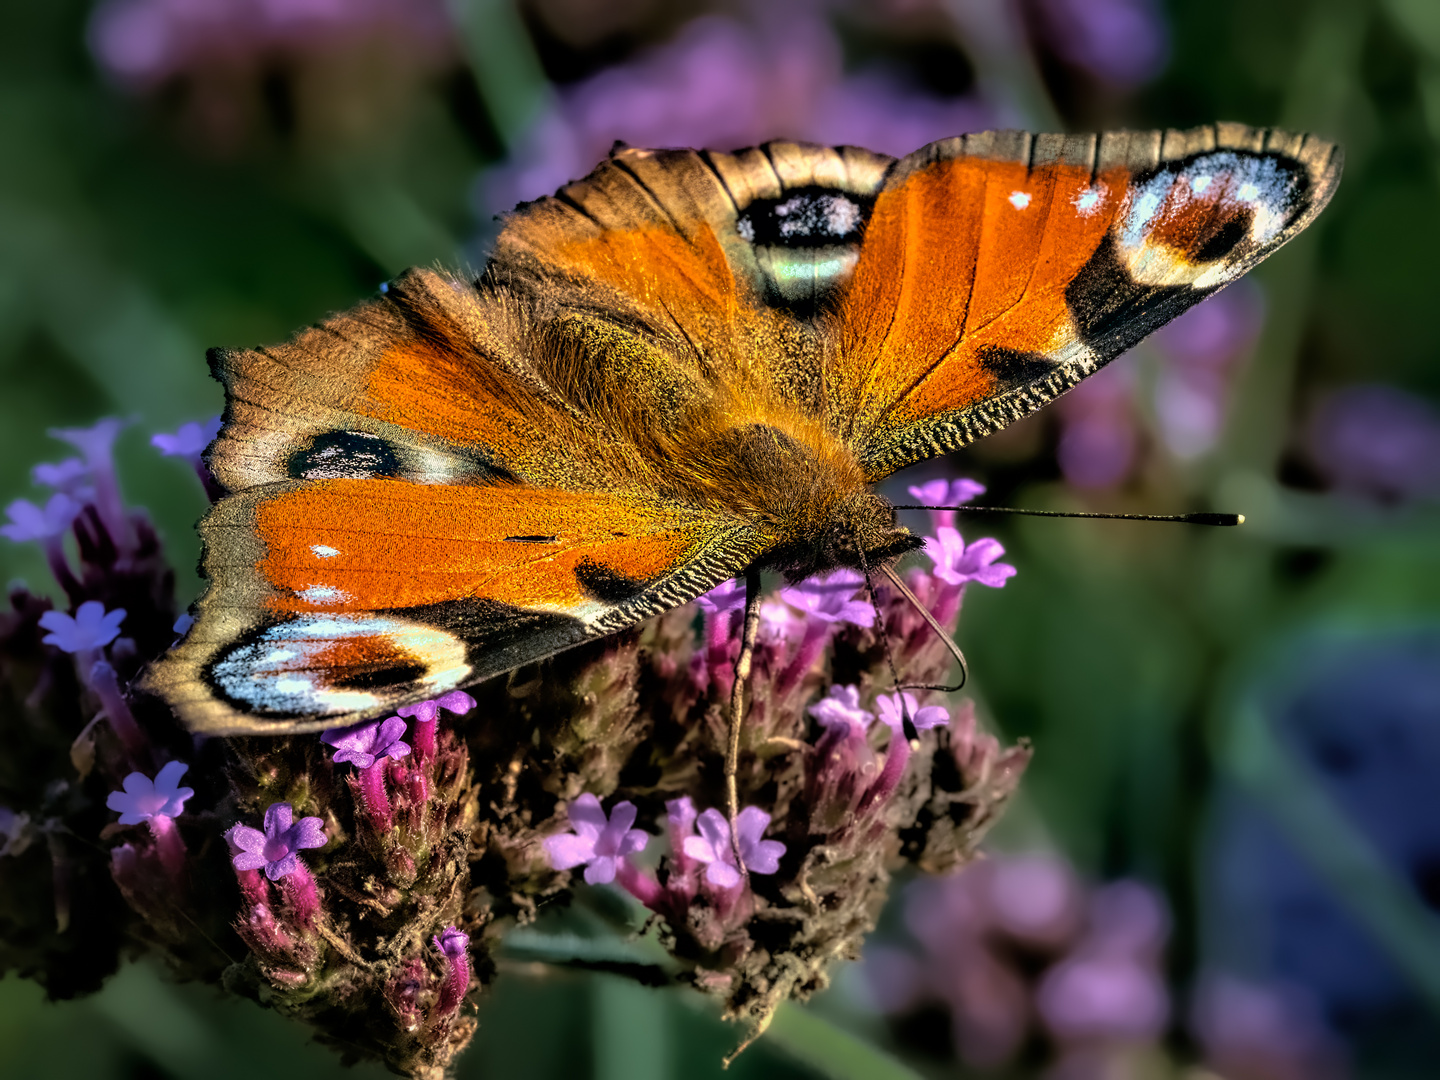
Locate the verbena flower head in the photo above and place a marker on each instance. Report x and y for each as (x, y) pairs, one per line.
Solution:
(892, 715)
(189, 441)
(830, 598)
(144, 798)
(943, 492)
(840, 708)
(31, 522)
(597, 843)
(457, 702)
(452, 943)
(364, 744)
(274, 850)
(713, 848)
(91, 627)
(956, 562)
(66, 476)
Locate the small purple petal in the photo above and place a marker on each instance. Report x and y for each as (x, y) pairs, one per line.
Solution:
(452, 942)
(587, 817)
(277, 819)
(246, 839)
(248, 860)
(700, 849)
(282, 867)
(601, 870)
(722, 875)
(566, 850)
(307, 833)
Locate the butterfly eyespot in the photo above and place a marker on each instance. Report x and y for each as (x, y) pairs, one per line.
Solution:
(335, 455)
(330, 665)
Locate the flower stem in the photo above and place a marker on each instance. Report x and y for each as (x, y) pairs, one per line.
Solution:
(117, 711)
(169, 846)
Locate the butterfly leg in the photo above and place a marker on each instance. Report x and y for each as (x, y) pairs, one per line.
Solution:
(748, 634)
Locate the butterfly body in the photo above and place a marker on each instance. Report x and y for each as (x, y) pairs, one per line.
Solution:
(687, 365)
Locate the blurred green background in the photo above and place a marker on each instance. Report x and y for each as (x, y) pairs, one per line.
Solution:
(176, 174)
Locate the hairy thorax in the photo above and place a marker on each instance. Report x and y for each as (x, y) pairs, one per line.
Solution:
(806, 490)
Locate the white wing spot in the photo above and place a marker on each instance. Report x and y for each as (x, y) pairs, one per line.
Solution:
(1088, 201)
(324, 551)
(324, 594)
(1019, 199)
(1200, 183)
(1248, 193)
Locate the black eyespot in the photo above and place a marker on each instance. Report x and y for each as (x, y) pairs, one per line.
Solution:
(805, 217)
(605, 585)
(336, 455)
(1010, 367)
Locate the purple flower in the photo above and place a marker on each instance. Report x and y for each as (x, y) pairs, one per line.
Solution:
(31, 522)
(712, 847)
(1098, 435)
(1377, 440)
(144, 798)
(840, 708)
(724, 598)
(1122, 42)
(945, 493)
(95, 442)
(63, 476)
(457, 702)
(366, 743)
(830, 598)
(956, 562)
(893, 717)
(597, 843)
(452, 943)
(92, 627)
(274, 849)
(189, 441)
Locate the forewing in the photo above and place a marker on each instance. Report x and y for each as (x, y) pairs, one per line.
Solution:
(999, 269)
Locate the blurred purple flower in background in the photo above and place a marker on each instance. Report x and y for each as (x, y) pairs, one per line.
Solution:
(1253, 1030)
(1376, 441)
(1203, 350)
(1120, 42)
(31, 522)
(144, 42)
(723, 84)
(91, 627)
(1098, 434)
(1018, 938)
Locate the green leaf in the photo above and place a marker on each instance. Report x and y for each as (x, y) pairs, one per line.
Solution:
(831, 1050)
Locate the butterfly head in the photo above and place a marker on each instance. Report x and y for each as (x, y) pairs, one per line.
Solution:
(861, 533)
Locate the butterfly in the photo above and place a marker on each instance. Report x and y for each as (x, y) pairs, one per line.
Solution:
(683, 368)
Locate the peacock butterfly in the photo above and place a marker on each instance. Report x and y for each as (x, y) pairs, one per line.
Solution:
(684, 367)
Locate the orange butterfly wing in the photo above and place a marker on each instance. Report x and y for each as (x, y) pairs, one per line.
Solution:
(999, 269)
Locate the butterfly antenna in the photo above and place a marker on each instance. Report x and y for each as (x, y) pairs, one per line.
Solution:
(1223, 520)
(907, 725)
(748, 632)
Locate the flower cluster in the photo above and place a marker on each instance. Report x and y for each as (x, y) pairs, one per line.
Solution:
(363, 876)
